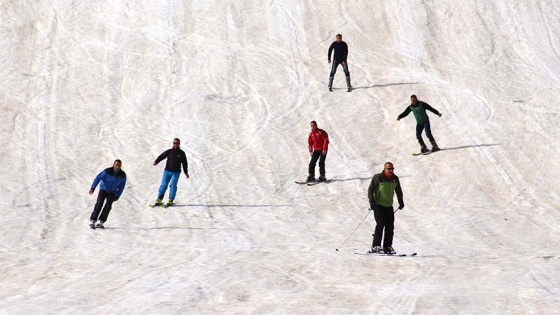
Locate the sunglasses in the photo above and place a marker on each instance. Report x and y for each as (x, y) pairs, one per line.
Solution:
(390, 169)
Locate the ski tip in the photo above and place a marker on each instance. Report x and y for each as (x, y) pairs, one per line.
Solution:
(413, 254)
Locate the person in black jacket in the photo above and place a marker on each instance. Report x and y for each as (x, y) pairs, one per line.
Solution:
(113, 181)
(340, 54)
(175, 158)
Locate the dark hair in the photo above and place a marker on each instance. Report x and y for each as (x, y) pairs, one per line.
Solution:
(313, 122)
(177, 139)
(411, 96)
(117, 160)
(339, 35)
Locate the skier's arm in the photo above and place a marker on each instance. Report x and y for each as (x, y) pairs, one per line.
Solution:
(371, 190)
(431, 109)
(120, 189)
(161, 157)
(399, 192)
(326, 142)
(330, 51)
(310, 143)
(97, 179)
(185, 165)
(405, 113)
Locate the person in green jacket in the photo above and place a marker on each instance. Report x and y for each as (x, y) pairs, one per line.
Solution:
(418, 108)
(381, 190)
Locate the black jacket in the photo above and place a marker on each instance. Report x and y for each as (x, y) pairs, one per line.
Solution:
(174, 160)
(340, 51)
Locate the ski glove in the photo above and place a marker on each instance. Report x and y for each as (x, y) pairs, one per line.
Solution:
(372, 205)
(401, 206)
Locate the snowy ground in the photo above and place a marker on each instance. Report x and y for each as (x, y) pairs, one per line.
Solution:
(87, 82)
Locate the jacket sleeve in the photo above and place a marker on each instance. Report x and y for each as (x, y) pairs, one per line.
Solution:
(310, 142)
(330, 50)
(405, 113)
(185, 163)
(372, 188)
(98, 178)
(121, 187)
(325, 140)
(430, 108)
(398, 191)
(162, 156)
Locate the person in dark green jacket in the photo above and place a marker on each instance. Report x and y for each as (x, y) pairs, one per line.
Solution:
(418, 108)
(381, 190)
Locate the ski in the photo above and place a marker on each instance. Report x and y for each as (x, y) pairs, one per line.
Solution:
(92, 226)
(383, 254)
(319, 182)
(301, 182)
(425, 153)
(153, 205)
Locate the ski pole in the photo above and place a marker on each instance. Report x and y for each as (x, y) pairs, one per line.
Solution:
(369, 210)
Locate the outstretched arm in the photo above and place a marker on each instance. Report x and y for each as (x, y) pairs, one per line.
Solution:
(431, 109)
(404, 114)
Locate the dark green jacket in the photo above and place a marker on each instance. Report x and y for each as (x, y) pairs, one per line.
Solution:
(381, 190)
(419, 111)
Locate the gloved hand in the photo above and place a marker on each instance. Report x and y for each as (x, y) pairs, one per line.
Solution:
(372, 205)
(401, 206)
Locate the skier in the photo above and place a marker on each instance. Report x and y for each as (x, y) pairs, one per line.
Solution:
(175, 157)
(113, 180)
(380, 194)
(418, 108)
(340, 54)
(318, 143)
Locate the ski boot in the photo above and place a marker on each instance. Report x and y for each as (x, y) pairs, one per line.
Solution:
(424, 149)
(375, 250)
(435, 147)
(99, 225)
(389, 250)
(310, 178)
(169, 203)
(321, 178)
(158, 202)
(92, 224)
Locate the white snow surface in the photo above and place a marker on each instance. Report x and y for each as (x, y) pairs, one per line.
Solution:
(88, 82)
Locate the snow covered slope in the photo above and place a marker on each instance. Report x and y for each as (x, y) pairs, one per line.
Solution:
(87, 82)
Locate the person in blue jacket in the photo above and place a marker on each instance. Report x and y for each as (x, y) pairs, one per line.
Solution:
(113, 181)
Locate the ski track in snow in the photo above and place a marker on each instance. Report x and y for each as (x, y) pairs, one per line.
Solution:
(239, 82)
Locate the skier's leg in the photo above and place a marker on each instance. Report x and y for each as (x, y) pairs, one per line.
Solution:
(428, 129)
(108, 206)
(380, 224)
(347, 73)
(173, 184)
(314, 157)
(98, 205)
(164, 183)
(419, 129)
(389, 216)
(322, 159)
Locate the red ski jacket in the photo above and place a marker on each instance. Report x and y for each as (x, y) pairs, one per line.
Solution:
(318, 140)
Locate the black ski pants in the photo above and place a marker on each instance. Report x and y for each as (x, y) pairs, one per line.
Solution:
(335, 64)
(385, 219)
(103, 197)
(317, 156)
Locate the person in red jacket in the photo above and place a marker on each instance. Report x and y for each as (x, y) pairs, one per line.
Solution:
(318, 145)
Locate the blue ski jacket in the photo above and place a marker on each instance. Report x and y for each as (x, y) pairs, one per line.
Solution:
(111, 182)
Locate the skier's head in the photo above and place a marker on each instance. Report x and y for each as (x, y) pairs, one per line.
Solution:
(338, 38)
(176, 143)
(388, 169)
(117, 165)
(413, 99)
(313, 125)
